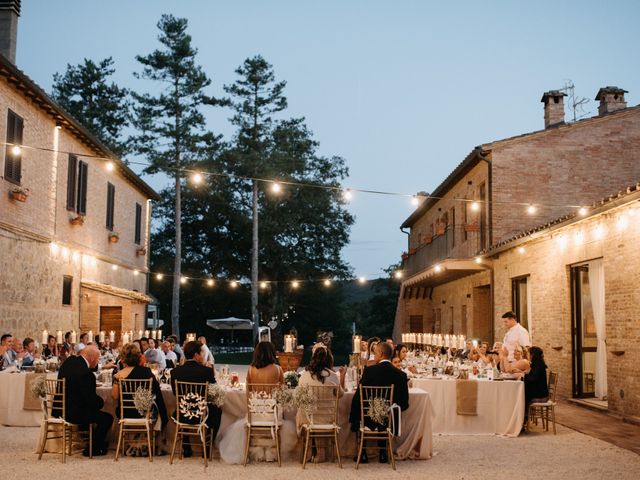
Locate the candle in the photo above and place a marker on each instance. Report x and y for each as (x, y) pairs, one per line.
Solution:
(140, 334)
(59, 337)
(101, 336)
(429, 339)
(125, 338)
(90, 334)
(112, 336)
(45, 337)
(73, 337)
(357, 339)
(146, 333)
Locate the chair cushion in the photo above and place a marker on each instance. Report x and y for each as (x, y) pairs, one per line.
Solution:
(264, 423)
(133, 421)
(321, 426)
(542, 404)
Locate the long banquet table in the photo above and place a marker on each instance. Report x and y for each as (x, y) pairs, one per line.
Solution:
(500, 407)
(12, 412)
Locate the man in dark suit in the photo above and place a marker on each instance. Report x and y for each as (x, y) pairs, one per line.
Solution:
(83, 405)
(382, 374)
(193, 370)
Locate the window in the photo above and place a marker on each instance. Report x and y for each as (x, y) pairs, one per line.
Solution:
(466, 219)
(453, 227)
(138, 223)
(13, 161)
(415, 323)
(483, 217)
(111, 196)
(77, 174)
(520, 300)
(67, 283)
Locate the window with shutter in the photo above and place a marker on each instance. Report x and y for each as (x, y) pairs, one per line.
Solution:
(111, 196)
(13, 161)
(138, 223)
(72, 173)
(83, 170)
(67, 283)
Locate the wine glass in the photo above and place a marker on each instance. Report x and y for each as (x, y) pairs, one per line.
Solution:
(19, 364)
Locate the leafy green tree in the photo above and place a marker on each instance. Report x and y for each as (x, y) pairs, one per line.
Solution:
(103, 107)
(172, 134)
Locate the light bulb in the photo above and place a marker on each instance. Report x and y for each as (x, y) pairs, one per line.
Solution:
(347, 195)
(114, 267)
(397, 274)
(478, 260)
(15, 150)
(159, 276)
(531, 209)
(109, 166)
(233, 284)
(583, 211)
(521, 250)
(263, 285)
(183, 280)
(136, 272)
(276, 187)
(362, 280)
(438, 268)
(210, 282)
(327, 283)
(415, 201)
(295, 284)
(197, 178)
(475, 206)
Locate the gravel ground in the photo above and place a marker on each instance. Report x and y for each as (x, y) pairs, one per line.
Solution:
(535, 455)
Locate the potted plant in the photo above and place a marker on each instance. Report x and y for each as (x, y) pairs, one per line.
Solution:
(114, 237)
(140, 252)
(76, 219)
(440, 228)
(427, 239)
(19, 194)
(412, 251)
(405, 255)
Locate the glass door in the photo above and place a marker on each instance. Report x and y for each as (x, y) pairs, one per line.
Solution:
(583, 334)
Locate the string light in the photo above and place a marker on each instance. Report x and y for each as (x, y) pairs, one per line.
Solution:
(263, 285)
(415, 201)
(233, 284)
(276, 187)
(327, 283)
(347, 195)
(397, 274)
(159, 276)
(197, 178)
(583, 211)
(521, 250)
(475, 206)
(16, 150)
(531, 209)
(362, 280)
(114, 267)
(438, 268)
(210, 282)
(109, 166)
(183, 280)
(136, 272)
(295, 284)
(478, 260)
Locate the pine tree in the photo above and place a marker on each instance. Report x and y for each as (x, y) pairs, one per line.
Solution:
(103, 107)
(172, 134)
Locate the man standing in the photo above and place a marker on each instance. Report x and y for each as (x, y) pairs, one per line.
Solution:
(206, 353)
(83, 405)
(195, 371)
(382, 374)
(516, 334)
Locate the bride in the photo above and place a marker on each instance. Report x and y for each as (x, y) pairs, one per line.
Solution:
(263, 370)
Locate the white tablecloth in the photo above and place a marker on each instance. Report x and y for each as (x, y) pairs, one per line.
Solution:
(12, 414)
(500, 408)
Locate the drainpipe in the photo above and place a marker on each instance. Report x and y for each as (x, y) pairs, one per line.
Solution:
(485, 156)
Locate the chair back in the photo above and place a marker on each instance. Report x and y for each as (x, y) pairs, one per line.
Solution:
(261, 404)
(374, 400)
(553, 385)
(53, 403)
(128, 391)
(325, 409)
(191, 402)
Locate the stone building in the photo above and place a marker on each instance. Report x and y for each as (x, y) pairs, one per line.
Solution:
(502, 188)
(74, 219)
(577, 277)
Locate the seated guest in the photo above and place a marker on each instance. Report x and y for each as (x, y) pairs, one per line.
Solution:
(155, 355)
(66, 348)
(371, 358)
(382, 374)
(84, 339)
(320, 372)
(143, 347)
(263, 368)
(51, 349)
(176, 347)
(132, 370)
(396, 362)
(401, 351)
(9, 355)
(18, 348)
(106, 346)
(519, 365)
(389, 340)
(479, 354)
(83, 405)
(30, 352)
(171, 359)
(195, 371)
(464, 354)
(535, 381)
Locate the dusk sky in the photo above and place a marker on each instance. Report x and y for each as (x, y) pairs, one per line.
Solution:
(403, 90)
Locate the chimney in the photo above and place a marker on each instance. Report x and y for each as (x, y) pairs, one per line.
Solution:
(553, 107)
(611, 99)
(9, 13)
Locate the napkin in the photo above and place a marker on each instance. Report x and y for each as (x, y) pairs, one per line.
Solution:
(467, 397)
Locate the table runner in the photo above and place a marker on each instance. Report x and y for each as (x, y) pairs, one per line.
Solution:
(466, 397)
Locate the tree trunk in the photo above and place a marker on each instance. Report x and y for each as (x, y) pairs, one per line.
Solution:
(254, 265)
(177, 274)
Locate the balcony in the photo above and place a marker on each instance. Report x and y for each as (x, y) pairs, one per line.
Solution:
(442, 248)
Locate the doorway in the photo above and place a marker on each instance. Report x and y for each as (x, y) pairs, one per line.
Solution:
(111, 319)
(584, 340)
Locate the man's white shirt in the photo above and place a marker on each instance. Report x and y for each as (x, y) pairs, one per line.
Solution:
(516, 335)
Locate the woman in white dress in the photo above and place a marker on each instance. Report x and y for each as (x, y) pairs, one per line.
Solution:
(263, 370)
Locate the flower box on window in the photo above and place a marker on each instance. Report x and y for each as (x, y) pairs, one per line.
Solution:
(114, 237)
(141, 252)
(440, 229)
(76, 220)
(412, 251)
(405, 255)
(19, 194)
(427, 239)
(471, 227)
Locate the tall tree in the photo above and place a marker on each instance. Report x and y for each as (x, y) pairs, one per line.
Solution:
(255, 97)
(103, 107)
(171, 124)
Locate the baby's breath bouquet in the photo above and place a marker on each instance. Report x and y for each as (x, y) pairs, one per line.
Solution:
(38, 387)
(143, 400)
(378, 410)
(216, 395)
(304, 400)
(284, 397)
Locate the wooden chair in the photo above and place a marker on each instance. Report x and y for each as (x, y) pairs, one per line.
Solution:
(323, 421)
(191, 416)
(131, 420)
(263, 416)
(546, 410)
(369, 395)
(54, 414)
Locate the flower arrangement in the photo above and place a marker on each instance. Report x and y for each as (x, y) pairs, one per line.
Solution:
(19, 193)
(291, 379)
(192, 405)
(284, 397)
(114, 237)
(304, 399)
(378, 410)
(38, 387)
(216, 395)
(76, 219)
(39, 365)
(143, 400)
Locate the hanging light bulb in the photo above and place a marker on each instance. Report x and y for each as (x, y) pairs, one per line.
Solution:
(136, 272)
(397, 274)
(16, 150)
(276, 187)
(210, 282)
(263, 285)
(362, 280)
(582, 211)
(521, 250)
(347, 195)
(415, 201)
(183, 280)
(114, 267)
(295, 284)
(197, 178)
(438, 268)
(478, 260)
(327, 283)
(109, 166)
(233, 284)
(475, 206)
(159, 276)
(531, 209)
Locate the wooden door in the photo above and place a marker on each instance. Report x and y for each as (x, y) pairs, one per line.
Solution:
(111, 319)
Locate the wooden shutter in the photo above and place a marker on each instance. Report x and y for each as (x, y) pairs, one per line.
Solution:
(12, 162)
(138, 223)
(72, 173)
(83, 170)
(111, 196)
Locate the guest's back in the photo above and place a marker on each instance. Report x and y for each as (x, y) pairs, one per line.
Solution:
(81, 401)
(263, 369)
